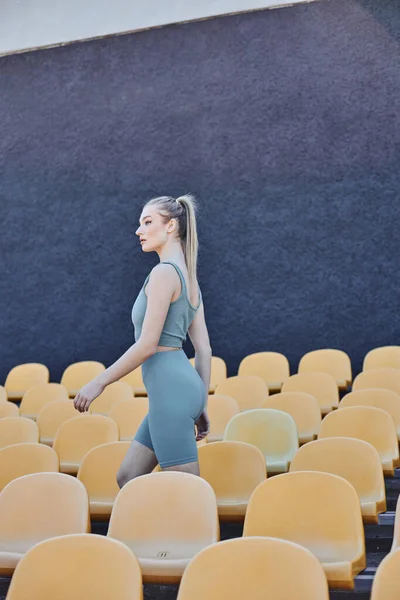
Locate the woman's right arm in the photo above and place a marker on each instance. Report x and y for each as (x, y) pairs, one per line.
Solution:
(201, 342)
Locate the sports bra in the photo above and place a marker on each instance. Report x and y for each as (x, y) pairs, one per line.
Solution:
(179, 317)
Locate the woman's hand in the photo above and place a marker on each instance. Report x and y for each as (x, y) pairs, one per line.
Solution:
(87, 394)
(203, 426)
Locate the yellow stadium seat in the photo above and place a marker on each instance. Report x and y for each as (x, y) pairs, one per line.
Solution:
(37, 507)
(8, 409)
(396, 533)
(304, 409)
(320, 385)
(23, 459)
(3, 394)
(135, 380)
(234, 470)
(218, 372)
(220, 410)
(271, 431)
(373, 425)
(272, 367)
(165, 519)
(52, 416)
(384, 378)
(98, 473)
(317, 510)
(385, 356)
(128, 414)
(249, 391)
(78, 435)
(386, 584)
(38, 396)
(334, 362)
(256, 568)
(78, 567)
(356, 461)
(24, 376)
(380, 398)
(79, 374)
(16, 430)
(114, 393)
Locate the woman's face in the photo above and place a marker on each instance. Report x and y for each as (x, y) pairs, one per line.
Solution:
(153, 233)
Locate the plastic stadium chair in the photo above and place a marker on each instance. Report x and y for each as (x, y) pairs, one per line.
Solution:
(78, 567)
(165, 518)
(24, 376)
(220, 410)
(128, 414)
(380, 398)
(373, 425)
(38, 396)
(387, 379)
(16, 430)
(3, 394)
(386, 584)
(79, 374)
(52, 416)
(321, 385)
(304, 409)
(135, 380)
(396, 533)
(37, 507)
(356, 461)
(334, 362)
(23, 459)
(98, 473)
(113, 393)
(317, 510)
(385, 356)
(249, 391)
(8, 409)
(271, 431)
(259, 568)
(272, 367)
(77, 436)
(234, 470)
(218, 372)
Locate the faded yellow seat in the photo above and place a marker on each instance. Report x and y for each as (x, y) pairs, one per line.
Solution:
(128, 414)
(384, 378)
(396, 532)
(8, 409)
(24, 376)
(114, 393)
(218, 372)
(385, 356)
(356, 461)
(38, 396)
(98, 473)
(78, 567)
(320, 385)
(165, 518)
(135, 380)
(220, 410)
(234, 470)
(22, 459)
(327, 360)
(272, 367)
(249, 391)
(304, 409)
(386, 584)
(380, 398)
(317, 510)
(255, 568)
(52, 416)
(273, 432)
(79, 374)
(16, 430)
(37, 507)
(3, 394)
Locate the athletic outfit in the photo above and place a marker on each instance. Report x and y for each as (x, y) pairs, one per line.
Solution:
(177, 395)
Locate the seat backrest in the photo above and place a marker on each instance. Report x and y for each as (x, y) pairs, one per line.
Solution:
(113, 393)
(219, 371)
(39, 395)
(78, 374)
(78, 435)
(128, 414)
(385, 356)
(220, 410)
(379, 398)
(386, 378)
(316, 510)
(22, 459)
(8, 409)
(396, 533)
(52, 416)
(165, 505)
(304, 408)
(3, 394)
(24, 376)
(355, 460)
(15, 430)
(254, 567)
(272, 367)
(335, 362)
(43, 505)
(320, 385)
(249, 391)
(78, 566)
(99, 467)
(386, 584)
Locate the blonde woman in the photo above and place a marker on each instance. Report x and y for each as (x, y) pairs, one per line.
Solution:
(169, 306)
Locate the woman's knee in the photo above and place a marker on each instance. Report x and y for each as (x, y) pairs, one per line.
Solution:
(123, 477)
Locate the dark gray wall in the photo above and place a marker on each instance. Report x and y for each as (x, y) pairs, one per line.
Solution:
(284, 123)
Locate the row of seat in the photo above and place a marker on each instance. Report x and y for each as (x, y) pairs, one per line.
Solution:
(271, 367)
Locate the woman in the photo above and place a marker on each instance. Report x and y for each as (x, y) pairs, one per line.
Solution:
(168, 306)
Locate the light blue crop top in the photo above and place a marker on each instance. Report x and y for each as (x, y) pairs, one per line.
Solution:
(179, 317)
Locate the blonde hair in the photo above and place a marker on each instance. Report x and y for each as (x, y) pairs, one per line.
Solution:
(183, 209)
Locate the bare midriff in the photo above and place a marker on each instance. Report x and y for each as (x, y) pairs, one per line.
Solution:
(166, 349)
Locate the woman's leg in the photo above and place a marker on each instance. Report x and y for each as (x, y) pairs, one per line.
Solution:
(140, 458)
(192, 467)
